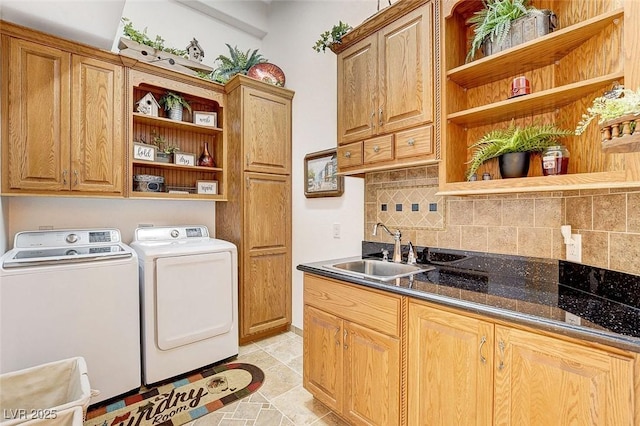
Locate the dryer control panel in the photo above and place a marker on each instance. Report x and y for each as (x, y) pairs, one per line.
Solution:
(171, 233)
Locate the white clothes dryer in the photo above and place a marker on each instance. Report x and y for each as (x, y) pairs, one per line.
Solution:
(68, 293)
(189, 299)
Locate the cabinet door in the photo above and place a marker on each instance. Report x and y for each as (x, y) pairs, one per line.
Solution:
(542, 381)
(371, 376)
(406, 71)
(357, 88)
(323, 361)
(449, 368)
(267, 132)
(39, 83)
(97, 126)
(266, 287)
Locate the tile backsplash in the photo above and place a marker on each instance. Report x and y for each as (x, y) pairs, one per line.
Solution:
(526, 224)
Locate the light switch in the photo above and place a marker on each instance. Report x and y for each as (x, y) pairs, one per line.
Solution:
(336, 230)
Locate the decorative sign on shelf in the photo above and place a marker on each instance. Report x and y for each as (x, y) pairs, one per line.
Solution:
(184, 159)
(208, 187)
(143, 151)
(204, 118)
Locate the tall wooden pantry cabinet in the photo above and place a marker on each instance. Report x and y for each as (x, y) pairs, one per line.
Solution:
(257, 215)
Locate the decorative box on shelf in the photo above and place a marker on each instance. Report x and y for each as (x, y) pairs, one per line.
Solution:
(531, 26)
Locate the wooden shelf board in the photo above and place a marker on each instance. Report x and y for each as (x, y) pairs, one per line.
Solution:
(159, 165)
(534, 103)
(536, 53)
(168, 196)
(538, 183)
(174, 124)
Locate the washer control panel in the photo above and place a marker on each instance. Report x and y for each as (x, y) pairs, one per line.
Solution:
(66, 237)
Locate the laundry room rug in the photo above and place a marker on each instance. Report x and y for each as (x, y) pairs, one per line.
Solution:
(181, 401)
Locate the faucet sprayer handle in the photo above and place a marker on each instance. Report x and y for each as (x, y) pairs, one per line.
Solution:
(411, 256)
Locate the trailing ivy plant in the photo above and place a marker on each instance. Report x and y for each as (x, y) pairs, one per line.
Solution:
(141, 37)
(613, 104)
(533, 138)
(334, 36)
(494, 21)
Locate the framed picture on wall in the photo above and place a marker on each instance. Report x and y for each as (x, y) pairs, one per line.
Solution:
(321, 175)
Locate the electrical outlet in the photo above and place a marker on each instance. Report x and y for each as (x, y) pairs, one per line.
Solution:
(336, 230)
(574, 249)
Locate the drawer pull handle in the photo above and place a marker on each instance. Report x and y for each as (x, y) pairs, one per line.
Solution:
(376, 148)
(64, 176)
(347, 154)
(345, 339)
(381, 120)
(483, 359)
(411, 142)
(501, 345)
(373, 114)
(75, 173)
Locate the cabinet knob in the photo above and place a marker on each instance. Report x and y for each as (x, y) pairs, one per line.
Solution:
(411, 142)
(376, 148)
(347, 154)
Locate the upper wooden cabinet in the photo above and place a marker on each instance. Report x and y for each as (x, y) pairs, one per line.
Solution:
(565, 77)
(266, 121)
(63, 126)
(386, 83)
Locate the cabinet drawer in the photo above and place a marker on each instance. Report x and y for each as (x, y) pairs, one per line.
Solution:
(363, 306)
(350, 155)
(378, 149)
(414, 142)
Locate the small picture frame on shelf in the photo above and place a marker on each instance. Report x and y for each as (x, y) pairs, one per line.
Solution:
(207, 187)
(205, 118)
(142, 151)
(184, 158)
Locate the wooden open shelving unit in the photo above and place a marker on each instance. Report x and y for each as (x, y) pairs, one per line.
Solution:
(567, 69)
(189, 137)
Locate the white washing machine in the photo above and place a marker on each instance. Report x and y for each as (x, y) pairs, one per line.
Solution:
(189, 299)
(67, 293)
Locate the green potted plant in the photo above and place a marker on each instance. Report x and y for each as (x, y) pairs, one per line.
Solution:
(238, 62)
(493, 22)
(332, 37)
(174, 104)
(502, 143)
(618, 112)
(165, 149)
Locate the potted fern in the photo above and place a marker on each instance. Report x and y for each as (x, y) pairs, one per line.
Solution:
(238, 62)
(513, 146)
(493, 23)
(174, 103)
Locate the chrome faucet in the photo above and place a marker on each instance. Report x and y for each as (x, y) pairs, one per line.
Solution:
(397, 236)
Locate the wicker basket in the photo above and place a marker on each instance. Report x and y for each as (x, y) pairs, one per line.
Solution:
(621, 134)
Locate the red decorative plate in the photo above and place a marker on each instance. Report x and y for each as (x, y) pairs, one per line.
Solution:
(269, 73)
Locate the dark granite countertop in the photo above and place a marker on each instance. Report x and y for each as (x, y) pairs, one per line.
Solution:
(576, 300)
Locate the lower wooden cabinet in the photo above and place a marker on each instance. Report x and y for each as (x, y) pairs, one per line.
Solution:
(450, 360)
(352, 361)
(466, 371)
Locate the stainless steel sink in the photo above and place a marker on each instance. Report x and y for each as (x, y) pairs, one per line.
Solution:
(377, 269)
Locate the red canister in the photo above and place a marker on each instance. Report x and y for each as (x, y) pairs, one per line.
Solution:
(520, 86)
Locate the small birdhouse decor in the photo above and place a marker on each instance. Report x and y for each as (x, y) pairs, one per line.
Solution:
(148, 105)
(195, 51)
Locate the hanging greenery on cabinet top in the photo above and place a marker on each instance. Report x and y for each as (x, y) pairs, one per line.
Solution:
(141, 37)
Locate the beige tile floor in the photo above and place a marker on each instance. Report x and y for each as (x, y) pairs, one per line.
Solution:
(281, 401)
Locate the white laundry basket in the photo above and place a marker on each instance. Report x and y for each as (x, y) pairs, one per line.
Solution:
(46, 392)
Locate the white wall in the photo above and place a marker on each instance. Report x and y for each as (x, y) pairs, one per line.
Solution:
(294, 28)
